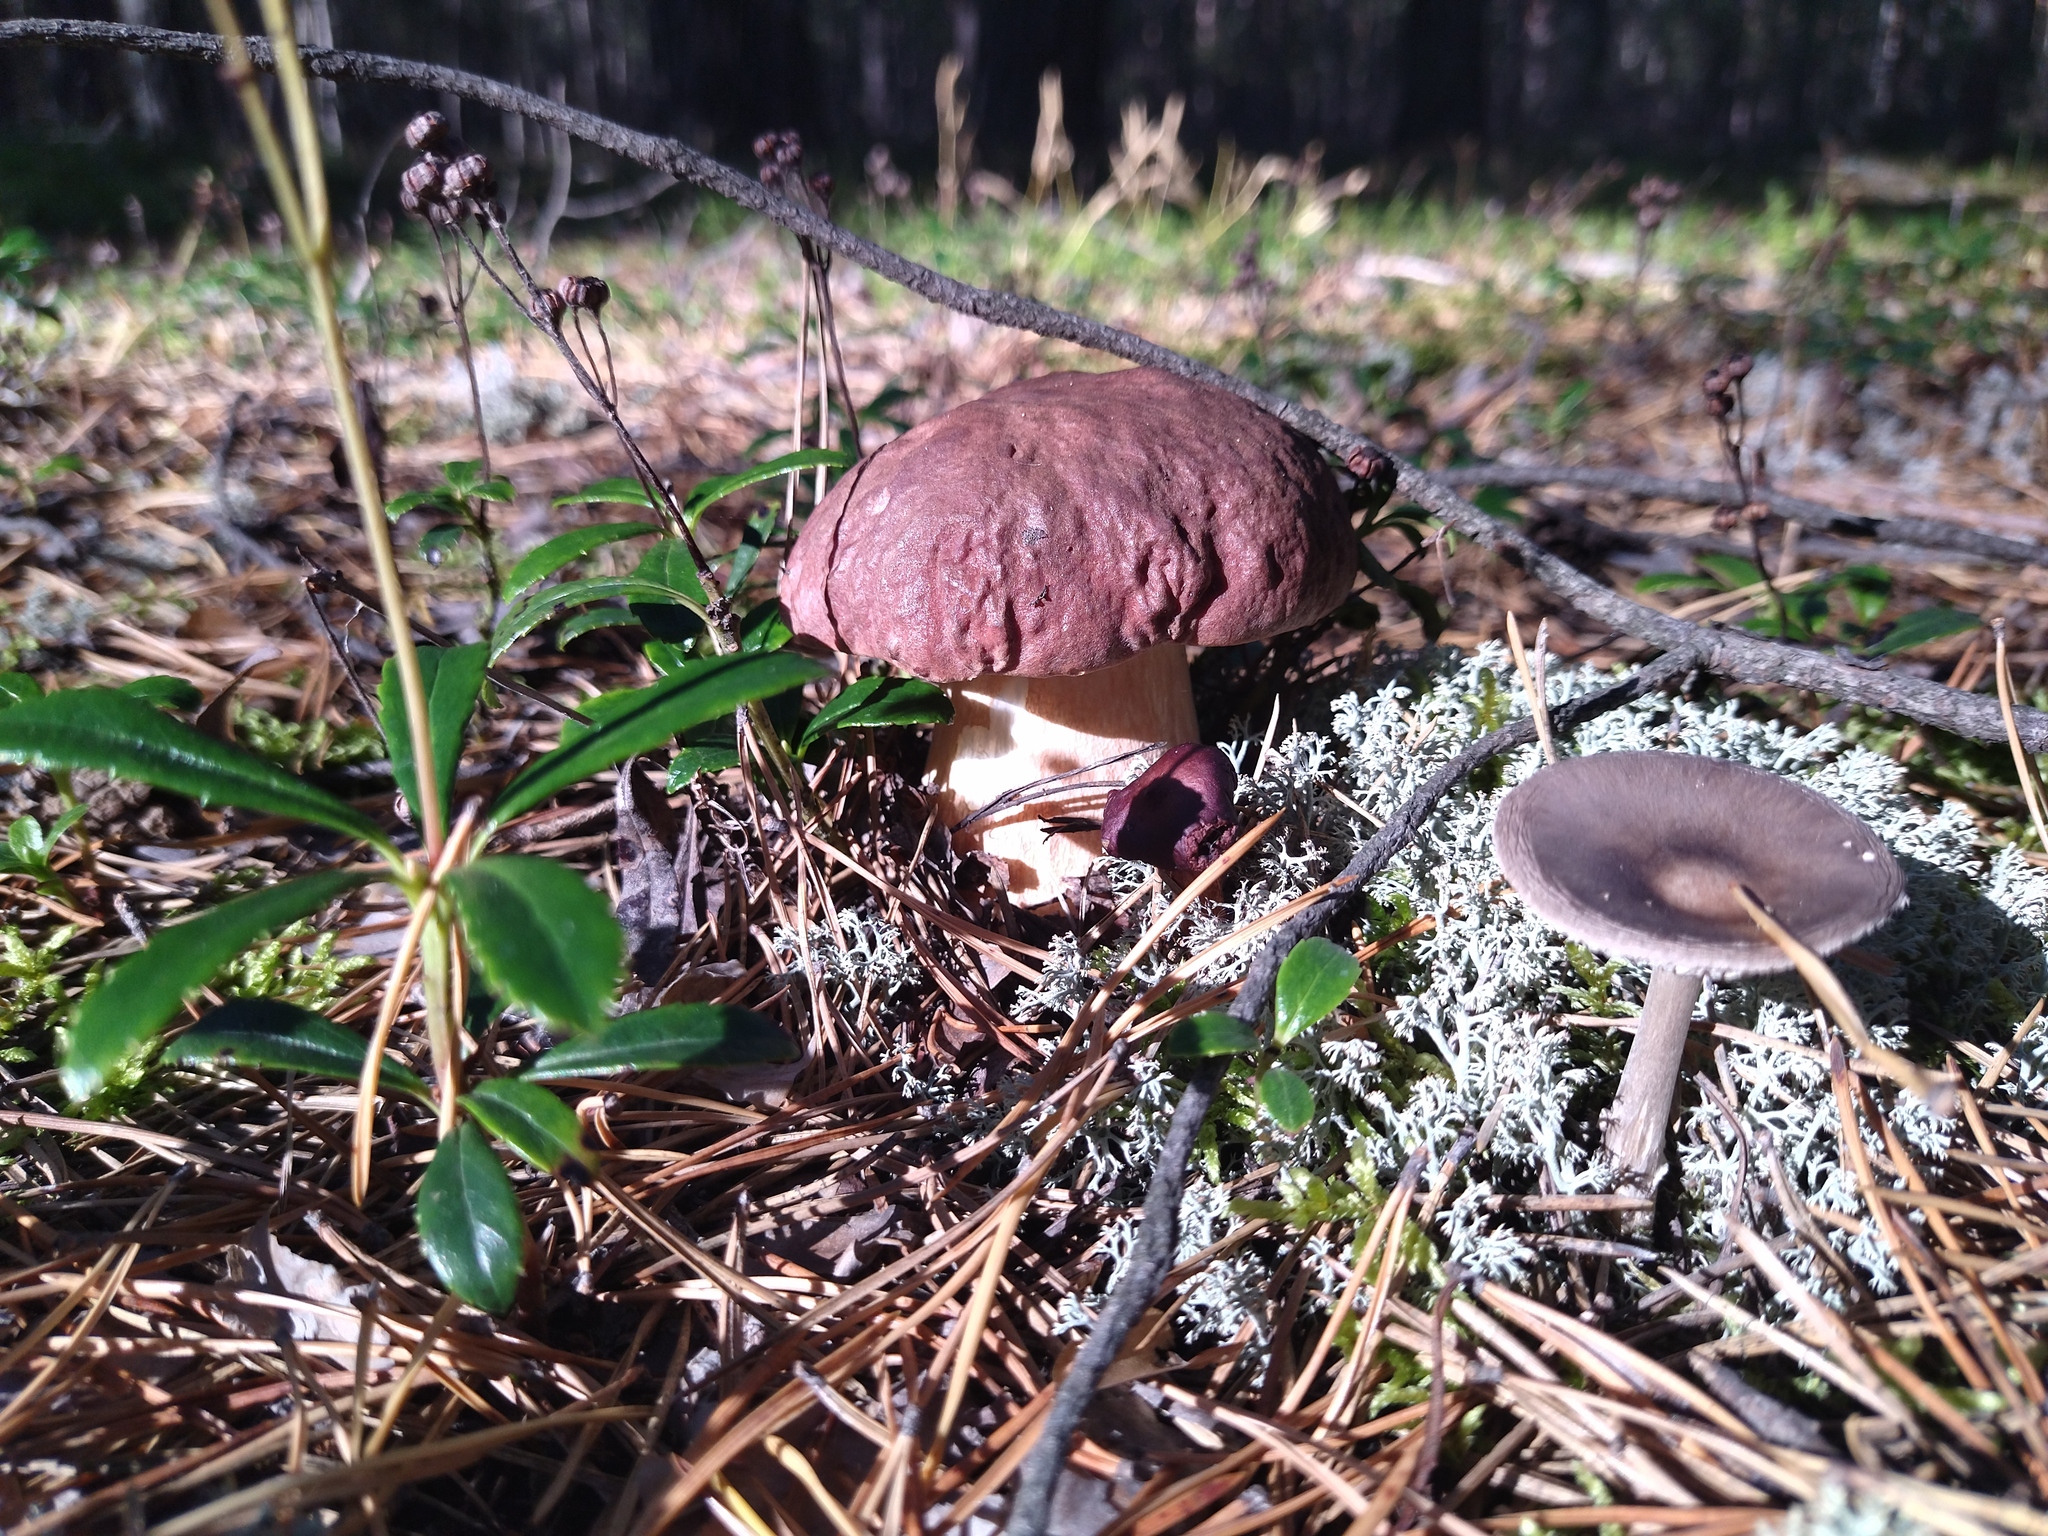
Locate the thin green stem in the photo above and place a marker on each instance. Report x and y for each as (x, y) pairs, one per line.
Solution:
(443, 1041)
(302, 203)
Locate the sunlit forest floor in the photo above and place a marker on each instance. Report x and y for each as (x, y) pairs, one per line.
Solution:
(168, 484)
(1452, 333)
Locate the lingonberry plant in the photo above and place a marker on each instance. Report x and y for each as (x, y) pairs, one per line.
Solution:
(1315, 978)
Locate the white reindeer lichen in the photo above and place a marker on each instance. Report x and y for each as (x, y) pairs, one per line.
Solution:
(1479, 1004)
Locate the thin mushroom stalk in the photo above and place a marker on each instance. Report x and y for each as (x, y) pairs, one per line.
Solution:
(1008, 731)
(1635, 1125)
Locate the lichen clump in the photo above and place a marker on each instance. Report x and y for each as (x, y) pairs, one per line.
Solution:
(1490, 1012)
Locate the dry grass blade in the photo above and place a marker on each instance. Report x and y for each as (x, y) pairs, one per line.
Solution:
(2022, 760)
(1938, 1093)
(1532, 686)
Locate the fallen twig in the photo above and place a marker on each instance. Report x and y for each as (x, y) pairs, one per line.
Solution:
(1927, 532)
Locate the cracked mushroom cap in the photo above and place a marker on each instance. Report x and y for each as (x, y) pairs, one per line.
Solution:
(1634, 854)
(1062, 524)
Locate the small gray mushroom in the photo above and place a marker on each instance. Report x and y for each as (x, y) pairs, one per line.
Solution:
(1637, 854)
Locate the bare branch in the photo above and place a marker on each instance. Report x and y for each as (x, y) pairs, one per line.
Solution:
(1925, 532)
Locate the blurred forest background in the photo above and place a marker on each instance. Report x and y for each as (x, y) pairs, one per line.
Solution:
(1446, 96)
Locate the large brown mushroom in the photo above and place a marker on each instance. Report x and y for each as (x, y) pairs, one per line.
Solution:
(1050, 550)
(1638, 854)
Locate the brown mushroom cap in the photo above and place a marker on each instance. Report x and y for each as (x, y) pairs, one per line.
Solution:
(1062, 524)
(1634, 854)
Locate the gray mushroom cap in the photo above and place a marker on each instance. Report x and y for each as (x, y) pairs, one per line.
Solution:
(1635, 854)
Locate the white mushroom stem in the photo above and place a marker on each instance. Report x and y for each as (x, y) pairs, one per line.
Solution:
(1641, 1114)
(1010, 731)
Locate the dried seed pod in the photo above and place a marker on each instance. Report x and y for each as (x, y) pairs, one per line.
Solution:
(546, 309)
(1376, 473)
(420, 187)
(470, 177)
(822, 185)
(1177, 815)
(773, 152)
(1738, 366)
(589, 293)
(427, 131)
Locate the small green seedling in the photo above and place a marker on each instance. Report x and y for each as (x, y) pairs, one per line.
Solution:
(462, 497)
(1314, 980)
(30, 846)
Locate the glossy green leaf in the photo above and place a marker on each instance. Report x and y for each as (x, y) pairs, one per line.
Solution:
(577, 625)
(29, 846)
(665, 657)
(65, 821)
(681, 1035)
(465, 477)
(1287, 1098)
(543, 605)
(1674, 581)
(106, 729)
(676, 625)
(1731, 571)
(1869, 588)
(765, 629)
(454, 677)
(753, 541)
(651, 716)
(543, 938)
(435, 496)
(533, 1123)
(877, 701)
(283, 1037)
(18, 688)
(470, 1227)
(691, 762)
(1210, 1034)
(619, 491)
(164, 692)
(669, 566)
(438, 540)
(705, 492)
(543, 560)
(141, 993)
(1314, 978)
(25, 840)
(1916, 628)
(596, 712)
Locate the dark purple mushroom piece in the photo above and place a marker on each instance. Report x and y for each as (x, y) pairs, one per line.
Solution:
(1049, 551)
(1637, 854)
(1178, 815)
